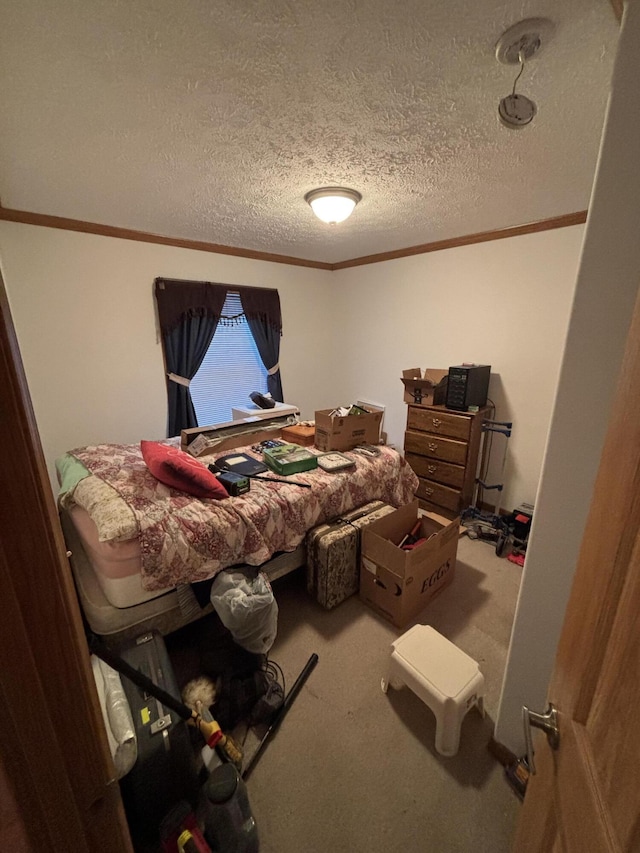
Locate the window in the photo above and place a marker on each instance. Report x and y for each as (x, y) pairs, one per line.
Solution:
(231, 369)
(223, 338)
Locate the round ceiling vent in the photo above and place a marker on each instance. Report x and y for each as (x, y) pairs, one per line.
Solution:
(523, 39)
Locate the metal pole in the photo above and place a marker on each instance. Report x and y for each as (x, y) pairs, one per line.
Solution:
(291, 695)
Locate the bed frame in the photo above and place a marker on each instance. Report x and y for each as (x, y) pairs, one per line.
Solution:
(166, 613)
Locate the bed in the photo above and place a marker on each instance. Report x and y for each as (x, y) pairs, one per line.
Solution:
(140, 549)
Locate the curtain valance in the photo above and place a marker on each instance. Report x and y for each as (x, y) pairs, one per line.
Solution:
(178, 299)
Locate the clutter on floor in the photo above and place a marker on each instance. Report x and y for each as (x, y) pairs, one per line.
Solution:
(517, 775)
(244, 601)
(116, 715)
(509, 532)
(185, 789)
(398, 582)
(333, 554)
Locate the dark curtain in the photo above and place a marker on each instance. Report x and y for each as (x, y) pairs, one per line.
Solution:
(261, 307)
(184, 349)
(189, 313)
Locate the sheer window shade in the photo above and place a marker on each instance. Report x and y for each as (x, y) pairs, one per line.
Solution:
(231, 369)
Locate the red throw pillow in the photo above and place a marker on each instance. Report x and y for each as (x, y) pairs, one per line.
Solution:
(179, 470)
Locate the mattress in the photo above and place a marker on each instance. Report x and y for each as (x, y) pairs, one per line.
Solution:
(117, 564)
(184, 539)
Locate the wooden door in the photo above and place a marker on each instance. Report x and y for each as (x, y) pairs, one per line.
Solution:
(53, 750)
(585, 796)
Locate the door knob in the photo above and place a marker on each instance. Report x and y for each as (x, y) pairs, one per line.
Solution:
(548, 722)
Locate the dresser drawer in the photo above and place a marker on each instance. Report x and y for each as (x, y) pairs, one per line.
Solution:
(433, 469)
(440, 423)
(438, 494)
(445, 449)
(439, 510)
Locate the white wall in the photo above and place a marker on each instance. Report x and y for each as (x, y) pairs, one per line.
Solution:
(505, 303)
(84, 313)
(606, 291)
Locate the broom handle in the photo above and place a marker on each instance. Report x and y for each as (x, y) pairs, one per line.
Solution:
(140, 680)
(291, 695)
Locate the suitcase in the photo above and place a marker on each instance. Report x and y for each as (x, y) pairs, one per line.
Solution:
(333, 554)
(165, 771)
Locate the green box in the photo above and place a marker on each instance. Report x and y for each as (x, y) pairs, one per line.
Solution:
(289, 459)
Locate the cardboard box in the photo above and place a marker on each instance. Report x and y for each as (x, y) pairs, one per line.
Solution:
(429, 389)
(305, 436)
(399, 584)
(336, 433)
(202, 441)
(289, 459)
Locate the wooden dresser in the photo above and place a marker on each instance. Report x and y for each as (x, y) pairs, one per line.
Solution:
(442, 447)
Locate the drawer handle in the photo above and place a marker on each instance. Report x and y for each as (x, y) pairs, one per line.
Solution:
(432, 469)
(436, 422)
(432, 445)
(428, 491)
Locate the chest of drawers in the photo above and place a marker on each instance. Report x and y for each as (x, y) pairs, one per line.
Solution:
(442, 447)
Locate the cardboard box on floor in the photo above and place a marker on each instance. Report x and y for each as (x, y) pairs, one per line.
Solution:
(427, 390)
(335, 433)
(398, 584)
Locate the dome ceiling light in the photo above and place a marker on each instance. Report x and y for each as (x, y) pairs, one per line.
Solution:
(333, 204)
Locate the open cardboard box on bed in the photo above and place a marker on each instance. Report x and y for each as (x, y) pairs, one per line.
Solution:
(335, 432)
(204, 440)
(396, 583)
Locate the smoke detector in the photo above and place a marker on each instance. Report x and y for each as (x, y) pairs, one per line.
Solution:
(518, 44)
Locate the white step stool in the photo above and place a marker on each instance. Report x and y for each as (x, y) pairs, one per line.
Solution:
(446, 679)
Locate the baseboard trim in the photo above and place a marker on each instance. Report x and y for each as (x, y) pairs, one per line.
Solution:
(500, 752)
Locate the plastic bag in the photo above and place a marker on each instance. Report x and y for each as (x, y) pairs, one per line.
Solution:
(116, 714)
(247, 608)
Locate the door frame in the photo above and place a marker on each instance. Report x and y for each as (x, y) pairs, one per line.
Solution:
(53, 745)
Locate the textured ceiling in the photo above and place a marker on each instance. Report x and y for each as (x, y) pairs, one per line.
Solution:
(210, 119)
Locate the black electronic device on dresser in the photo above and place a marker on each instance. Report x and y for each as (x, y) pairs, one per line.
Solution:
(468, 385)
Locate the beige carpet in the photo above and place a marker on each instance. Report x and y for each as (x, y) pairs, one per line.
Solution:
(352, 769)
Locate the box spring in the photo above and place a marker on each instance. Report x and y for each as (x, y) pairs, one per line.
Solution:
(162, 613)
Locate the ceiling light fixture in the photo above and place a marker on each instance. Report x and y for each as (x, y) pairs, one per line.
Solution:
(518, 44)
(333, 204)
(515, 110)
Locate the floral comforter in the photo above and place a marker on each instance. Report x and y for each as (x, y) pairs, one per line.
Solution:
(185, 539)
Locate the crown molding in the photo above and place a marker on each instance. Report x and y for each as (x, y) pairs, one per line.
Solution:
(47, 221)
(469, 239)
